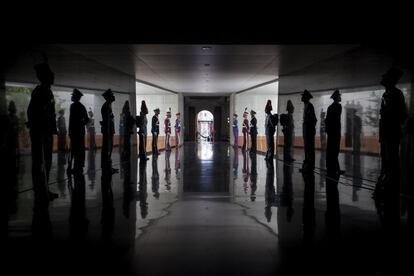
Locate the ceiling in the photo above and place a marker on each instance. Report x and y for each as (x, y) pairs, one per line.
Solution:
(207, 69)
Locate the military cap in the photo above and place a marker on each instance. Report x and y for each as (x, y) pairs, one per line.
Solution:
(307, 94)
(77, 93)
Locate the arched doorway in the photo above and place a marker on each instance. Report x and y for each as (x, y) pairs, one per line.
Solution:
(205, 126)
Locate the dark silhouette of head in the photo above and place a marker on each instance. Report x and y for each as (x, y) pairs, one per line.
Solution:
(62, 112)
(336, 96)
(268, 106)
(391, 77)
(157, 111)
(76, 95)
(12, 108)
(44, 73)
(109, 96)
(306, 96)
(289, 107)
(125, 108)
(144, 109)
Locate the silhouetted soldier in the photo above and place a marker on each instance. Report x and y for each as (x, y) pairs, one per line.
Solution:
(235, 127)
(108, 129)
(177, 128)
(270, 128)
(155, 130)
(288, 131)
(253, 132)
(155, 178)
(167, 130)
(42, 123)
(245, 130)
(62, 131)
(322, 131)
(143, 132)
(91, 130)
(78, 119)
(309, 123)
(333, 129)
(128, 123)
(392, 116)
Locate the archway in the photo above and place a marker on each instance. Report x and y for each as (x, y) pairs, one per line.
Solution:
(205, 126)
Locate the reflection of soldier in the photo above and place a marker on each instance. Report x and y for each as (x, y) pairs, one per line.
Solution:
(62, 131)
(108, 128)
(78, 119)
(42, 123)
(155, 178)
(167, 130)
(167, 171)
(177, 162)
(287, 191)
(235, 162)
(245, 130)
(333, 214)
(143, 132)
(245, 171)
(155, 130)
(77, 219)
(322, 131)
(143, 188)
(308, 214)
(270, 194)
(333, 129)
(253, 178)
(270, 128)
(253, 131)
(235, 127)
(108, 209)
(392, 115)
(177, 128)
(309, 123)
(356, 132)
(288, 131)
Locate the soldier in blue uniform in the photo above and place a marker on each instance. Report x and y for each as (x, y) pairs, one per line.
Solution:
(235, 126)
(155, 130)
(143, 132)
(253, 132)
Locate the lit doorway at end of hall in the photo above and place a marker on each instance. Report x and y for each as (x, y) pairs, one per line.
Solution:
(205, 126)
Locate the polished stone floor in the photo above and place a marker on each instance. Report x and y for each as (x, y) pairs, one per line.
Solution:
(208, 209)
